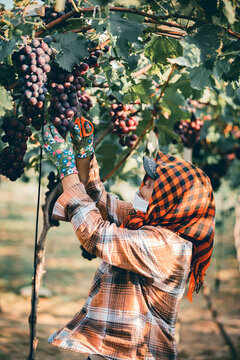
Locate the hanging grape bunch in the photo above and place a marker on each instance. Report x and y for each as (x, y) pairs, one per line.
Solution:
(67, 93)
(32, 64)
(51, 15)
(11, 157)
(95, 53)
(53, 180)
(125, 121)
(189, 131)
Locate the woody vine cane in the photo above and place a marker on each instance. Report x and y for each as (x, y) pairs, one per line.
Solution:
(34, 299)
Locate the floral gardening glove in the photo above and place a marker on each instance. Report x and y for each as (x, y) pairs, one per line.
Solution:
(59, 151)
(82, 142)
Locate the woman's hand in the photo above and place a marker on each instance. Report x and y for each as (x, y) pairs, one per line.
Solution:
(59, 151)
(82, 138)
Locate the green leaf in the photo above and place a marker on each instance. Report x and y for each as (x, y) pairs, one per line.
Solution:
(124, 33)
(6, 48)
(181, 61)
(237, 94)
(135, 17)
(166, 133)
(183, 84)
(173, 100)
(133, 61)
(199, 77)
(107, 156)
(221, 67)
(210, 8)
(142, 91)
(160, 48)
(109, 72)
(98, 25)
(234, 72)
(203, 46)
(6, 101)
(7, 75)
(228, 11)
(71, 48)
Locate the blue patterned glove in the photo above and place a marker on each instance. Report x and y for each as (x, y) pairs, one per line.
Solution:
(59, 151)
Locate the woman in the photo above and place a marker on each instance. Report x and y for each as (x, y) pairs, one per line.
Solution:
(149, 250)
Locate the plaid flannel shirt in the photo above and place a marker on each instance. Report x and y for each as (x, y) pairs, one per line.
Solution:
(133, 302)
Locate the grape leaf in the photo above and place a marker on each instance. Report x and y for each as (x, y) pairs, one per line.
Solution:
(110, 72)
(234, 72)
(143, 90)
(228, 11)
(174, 100)
(160, 48)
(6, 102)
(201, 47)
(6, 48)
(209, 7)
(124, 33)
(133, 61)
(71, 49)
(107, 156)
(183, 84)
(199, 77)
(221, 67)
(7, 75)
(166, 133)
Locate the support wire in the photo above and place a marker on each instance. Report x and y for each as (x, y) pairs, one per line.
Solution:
(33, 315)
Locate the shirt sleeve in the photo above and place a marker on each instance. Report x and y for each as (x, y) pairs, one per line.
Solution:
(110, 207)
(153, 252)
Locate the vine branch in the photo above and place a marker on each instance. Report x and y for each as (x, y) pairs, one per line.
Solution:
(158, 18)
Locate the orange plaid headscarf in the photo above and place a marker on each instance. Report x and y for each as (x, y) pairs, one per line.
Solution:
(182, 201)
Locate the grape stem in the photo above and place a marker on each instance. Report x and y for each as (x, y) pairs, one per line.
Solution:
(147, 127)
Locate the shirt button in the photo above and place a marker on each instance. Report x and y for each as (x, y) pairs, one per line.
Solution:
(84, 311)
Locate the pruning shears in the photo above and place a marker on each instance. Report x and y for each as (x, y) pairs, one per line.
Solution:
(85, 126)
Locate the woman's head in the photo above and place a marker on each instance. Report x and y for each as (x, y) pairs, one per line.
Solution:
(146, 190)
(181, 200)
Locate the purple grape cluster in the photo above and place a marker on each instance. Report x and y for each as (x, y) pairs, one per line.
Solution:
(32, 62)
(189, 131)
(95, 53)
(11, 157)
(124, 122)
(66, 90)
(51, 15)
(53, 180)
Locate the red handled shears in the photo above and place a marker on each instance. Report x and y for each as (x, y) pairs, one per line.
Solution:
(82, 122)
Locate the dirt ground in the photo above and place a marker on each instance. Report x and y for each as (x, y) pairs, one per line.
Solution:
(68, 277)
